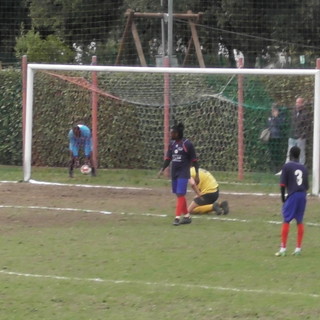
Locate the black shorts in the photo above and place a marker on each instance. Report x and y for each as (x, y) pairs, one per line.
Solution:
(207, 198)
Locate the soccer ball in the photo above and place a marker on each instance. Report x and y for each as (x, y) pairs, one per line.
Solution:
(85, 169)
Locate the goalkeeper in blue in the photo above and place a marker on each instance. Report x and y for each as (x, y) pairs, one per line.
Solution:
(80, 138)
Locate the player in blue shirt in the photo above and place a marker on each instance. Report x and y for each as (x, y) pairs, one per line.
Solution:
(80, 137)
(294, 179)
(182, 155)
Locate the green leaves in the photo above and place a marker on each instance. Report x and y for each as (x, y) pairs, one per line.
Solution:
(43, 50)
(10, 118)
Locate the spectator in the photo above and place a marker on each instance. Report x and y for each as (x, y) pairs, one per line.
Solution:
(298, 130)
(275, 124)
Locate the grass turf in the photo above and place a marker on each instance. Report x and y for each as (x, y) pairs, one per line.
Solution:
(124, 266)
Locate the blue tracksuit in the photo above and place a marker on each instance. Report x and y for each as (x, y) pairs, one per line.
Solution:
(84, 141)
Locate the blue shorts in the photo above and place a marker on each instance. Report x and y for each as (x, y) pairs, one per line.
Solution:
(85, 145)
(179, 186)
(294, 207)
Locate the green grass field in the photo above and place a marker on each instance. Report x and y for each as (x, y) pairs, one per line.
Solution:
(128, 265)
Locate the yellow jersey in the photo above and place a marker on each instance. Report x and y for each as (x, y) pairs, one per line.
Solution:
(208, 182)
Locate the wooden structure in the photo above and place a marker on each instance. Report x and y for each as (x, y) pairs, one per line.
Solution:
(192, 18)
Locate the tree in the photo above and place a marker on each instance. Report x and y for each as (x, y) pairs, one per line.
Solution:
(252, 27)
(13, 14)
(78, 22)
(51, 49)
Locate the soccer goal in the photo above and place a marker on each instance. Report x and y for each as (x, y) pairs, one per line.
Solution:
(223, 110)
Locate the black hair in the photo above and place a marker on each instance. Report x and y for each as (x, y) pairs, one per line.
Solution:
(179, 129)
(295, 152)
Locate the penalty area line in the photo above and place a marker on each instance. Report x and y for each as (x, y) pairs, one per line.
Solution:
(312, 224)
(81, 210)
(45, 183)
(161, 284)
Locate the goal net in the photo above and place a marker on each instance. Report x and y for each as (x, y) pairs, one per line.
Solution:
(223, 110)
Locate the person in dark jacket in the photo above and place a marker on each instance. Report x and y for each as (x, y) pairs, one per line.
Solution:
(300, 123)
(275, 124)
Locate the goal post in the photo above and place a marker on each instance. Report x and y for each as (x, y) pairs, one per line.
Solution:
(32, 69)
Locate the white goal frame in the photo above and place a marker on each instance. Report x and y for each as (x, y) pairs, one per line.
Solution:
(32, 68)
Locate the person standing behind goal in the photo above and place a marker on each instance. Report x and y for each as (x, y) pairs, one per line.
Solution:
(80, 137)
(294, 178)
(299, 127)
(183, 155)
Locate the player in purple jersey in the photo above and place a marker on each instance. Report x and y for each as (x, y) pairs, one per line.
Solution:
(182, 155)
(80, 137)
(294, 179)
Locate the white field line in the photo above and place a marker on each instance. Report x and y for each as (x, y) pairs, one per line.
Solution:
(133, 188)
(77, 185)
(219, 218)
(85, 185)
(139, 188)
(160, 284)
(80, 210)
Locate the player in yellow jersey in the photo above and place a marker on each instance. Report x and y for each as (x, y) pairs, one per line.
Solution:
(207, 191)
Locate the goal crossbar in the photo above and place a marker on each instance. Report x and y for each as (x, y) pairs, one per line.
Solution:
(32, 68)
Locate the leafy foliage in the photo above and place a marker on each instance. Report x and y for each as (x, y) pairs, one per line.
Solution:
(10, 118)
(42, 50)
(261, 30)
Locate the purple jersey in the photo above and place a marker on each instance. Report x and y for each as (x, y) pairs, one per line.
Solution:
(182, 154)
(294, 177)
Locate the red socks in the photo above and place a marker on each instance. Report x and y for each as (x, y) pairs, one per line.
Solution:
(284, 234)
(285, 231)
(300, 233)
(181, 206)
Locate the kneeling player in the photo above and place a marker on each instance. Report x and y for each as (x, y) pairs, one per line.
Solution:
(207, 192)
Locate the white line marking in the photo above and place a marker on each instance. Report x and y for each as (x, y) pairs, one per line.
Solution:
(259, 194)
(4, 181)
(84, 185)
(132, 188)
(313, 224)
(158, 284)
(56, 209)
(81, 210)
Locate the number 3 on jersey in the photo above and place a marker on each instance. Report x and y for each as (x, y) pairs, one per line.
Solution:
(298, 174)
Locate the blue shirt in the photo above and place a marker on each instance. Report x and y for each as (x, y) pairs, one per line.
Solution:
(294, 177)
(181, 153)
(83, 141)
